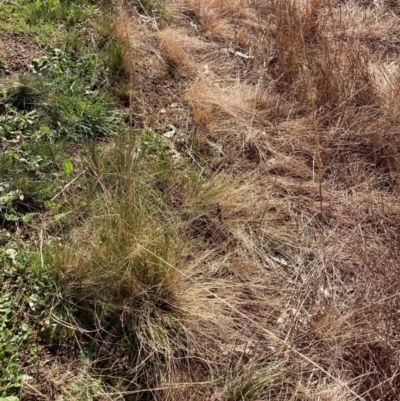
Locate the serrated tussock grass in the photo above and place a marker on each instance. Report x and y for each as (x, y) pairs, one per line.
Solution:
(120, 266)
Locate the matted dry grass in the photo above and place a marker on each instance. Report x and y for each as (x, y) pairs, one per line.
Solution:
(292, 109)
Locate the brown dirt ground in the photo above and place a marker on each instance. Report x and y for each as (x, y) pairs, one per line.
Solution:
(16, 53)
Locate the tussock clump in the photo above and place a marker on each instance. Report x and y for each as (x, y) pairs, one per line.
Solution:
(172, 45)
(121, 269)
(125, 36)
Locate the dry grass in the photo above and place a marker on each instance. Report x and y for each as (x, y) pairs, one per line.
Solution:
(295, 229)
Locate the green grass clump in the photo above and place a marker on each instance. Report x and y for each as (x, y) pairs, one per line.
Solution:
(117, 267)
(57, 11)
(49, 21)
(76, 103)
(124, 248)
(77, 116)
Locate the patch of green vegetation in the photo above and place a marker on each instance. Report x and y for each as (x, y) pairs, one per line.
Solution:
(67, 12)
(50, 120)
(24, 315)
(9, 11)
(152, 7)
(65, 98)
(78, 116)
(76, 102)
(49, 21)
(28, 165)
(60, 106)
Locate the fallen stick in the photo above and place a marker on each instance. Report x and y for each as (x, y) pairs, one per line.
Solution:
(66, 186)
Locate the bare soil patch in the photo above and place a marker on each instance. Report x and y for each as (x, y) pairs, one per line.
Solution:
(16, 53)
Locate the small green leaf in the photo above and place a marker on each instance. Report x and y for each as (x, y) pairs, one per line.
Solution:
(24, 327)
(68, 168)
(27, 217)
(11, 217)
(45, 130)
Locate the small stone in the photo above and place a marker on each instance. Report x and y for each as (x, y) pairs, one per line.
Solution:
(171, 133)
(26, 379)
